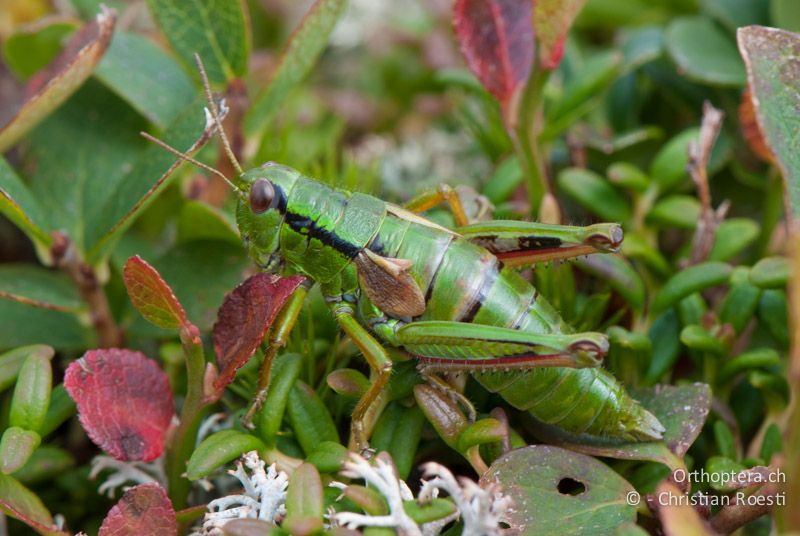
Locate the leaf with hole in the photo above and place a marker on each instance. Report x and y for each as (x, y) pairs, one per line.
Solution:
(553, 487)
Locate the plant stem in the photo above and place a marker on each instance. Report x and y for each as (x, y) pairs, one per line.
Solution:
(66, 257)
(194, 408)
(527, 138)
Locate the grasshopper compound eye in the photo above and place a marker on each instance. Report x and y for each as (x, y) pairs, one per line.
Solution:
(262, 196)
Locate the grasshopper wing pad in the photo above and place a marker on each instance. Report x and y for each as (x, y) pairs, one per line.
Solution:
(389, 285)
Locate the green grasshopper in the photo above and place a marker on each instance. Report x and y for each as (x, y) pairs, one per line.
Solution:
(450, 298)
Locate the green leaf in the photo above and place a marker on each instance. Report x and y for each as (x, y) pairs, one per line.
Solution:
(697, 338)
(215, 29)
(668, 169)
(569, 492)
(772, 312)
(309, 417)
(199, 221)
(127, 197)
(692, 279)
(664, 336)
(773, 72)
(218, 449)
(703, 52)
(628, 176)
(297, 59)
(61, 78)
(71, 180)
(32, 392)
(741, 301)
(304, 501)
(759, 358)
(771, 273)
(429, 510)
(619, 274)
(725, 441)
(285, 371)
(45, 462)
(150, 81)
(736, 13)
(32, 48)
(329, 456)
(785, 14)
(595, 194)
(61, 408)
(23, 324)
(581, 93)
(11, 362)
(16, 447)
(480, 432)
(21, 503)
(19, 205)
(39, 287)
(732, 237)
(398, 432)
(771, 444)
(680, 211)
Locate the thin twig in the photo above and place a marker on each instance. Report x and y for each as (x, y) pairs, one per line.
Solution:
(699, 156)
(66, 257)
(736, 514)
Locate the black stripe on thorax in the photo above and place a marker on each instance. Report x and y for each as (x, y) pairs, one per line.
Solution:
(305, 225)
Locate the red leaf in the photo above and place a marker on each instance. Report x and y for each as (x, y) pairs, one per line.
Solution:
(244, 318)
(496, 37)
(124, 402)
(144, 509)
(151, 296)
(551, 22)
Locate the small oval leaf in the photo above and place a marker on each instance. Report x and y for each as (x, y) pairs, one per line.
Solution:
(107, 386)
(218, 449)
(143, 509)
(151, 295)
(32, 392)
(16, 447)
(692, 279)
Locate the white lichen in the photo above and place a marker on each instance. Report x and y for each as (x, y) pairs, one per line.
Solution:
(126, 474)
(481, 509)
(263, 497)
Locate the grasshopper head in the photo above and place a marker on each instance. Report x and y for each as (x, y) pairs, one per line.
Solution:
(261, 210)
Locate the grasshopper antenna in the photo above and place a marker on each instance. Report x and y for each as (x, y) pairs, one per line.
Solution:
(186, 158)
(212, 110)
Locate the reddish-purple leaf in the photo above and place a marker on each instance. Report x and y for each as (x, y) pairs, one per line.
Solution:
(244, 318)
(496, 37)
(124, 402)
(144, 509)
(151, 296)
(551, 22)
